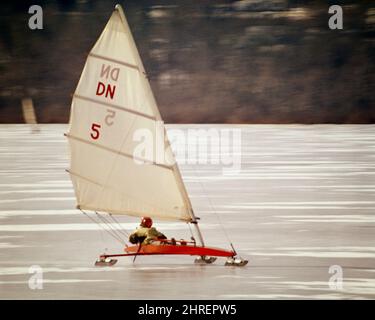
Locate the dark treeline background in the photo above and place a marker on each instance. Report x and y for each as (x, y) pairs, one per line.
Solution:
(248, 61)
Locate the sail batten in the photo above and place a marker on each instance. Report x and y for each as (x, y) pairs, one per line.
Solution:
(146, 161)
(130, 213)
(84, 206)
(81, 177)
(114, 60)
(113, 103)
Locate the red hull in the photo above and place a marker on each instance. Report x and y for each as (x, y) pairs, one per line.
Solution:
(150, 249)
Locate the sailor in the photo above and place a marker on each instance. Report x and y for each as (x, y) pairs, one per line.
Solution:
(146, 233)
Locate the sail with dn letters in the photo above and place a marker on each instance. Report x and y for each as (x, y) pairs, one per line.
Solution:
(113, 106)
(113, 100)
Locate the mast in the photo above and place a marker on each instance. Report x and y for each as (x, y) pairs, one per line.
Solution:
(176, 170)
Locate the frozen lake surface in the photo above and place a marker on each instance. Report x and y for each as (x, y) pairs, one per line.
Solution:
(303, 201)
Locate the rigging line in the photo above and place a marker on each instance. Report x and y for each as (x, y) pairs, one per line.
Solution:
(123, 231)
(114, 231)
(108, 231)
(213, 209)
(119, 232)
(120, 228)
(114, 235)
(111, 230)
(103, 241)
(101, 218)
(92, 219)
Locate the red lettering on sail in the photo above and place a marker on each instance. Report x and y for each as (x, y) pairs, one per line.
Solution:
(109, 90)
(95, 128)
(100, 89)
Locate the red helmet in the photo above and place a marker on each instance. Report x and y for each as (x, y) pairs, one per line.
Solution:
(146, 222)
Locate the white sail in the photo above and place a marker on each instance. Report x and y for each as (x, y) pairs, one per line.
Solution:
(113, 100)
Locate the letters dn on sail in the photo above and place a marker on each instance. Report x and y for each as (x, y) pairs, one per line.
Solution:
(104, 88)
